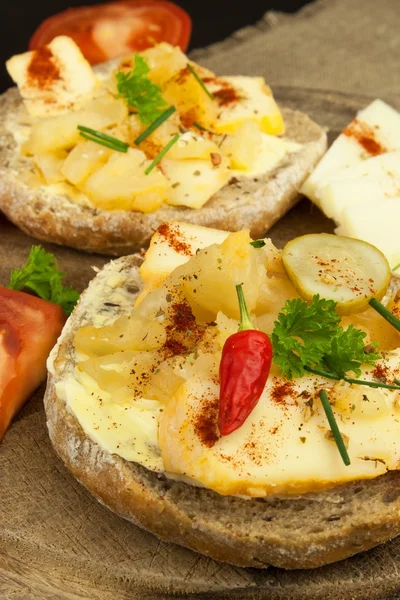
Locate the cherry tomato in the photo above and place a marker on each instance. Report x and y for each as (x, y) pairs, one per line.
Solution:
(105, 31)
(29, 328)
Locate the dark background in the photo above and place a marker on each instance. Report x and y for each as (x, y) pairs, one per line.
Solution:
(213, 20)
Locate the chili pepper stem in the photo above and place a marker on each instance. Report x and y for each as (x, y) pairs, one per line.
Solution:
(385, 313)
(245, 322)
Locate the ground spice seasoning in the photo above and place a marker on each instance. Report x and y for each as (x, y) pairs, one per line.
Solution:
(280, 392)
(365, 136)
(227, 95)
(43, 70)
(381, 372)
(182, 331)
(205, 422)
(175, 239)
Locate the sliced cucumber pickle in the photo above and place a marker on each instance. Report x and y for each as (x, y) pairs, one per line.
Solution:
(349, 271)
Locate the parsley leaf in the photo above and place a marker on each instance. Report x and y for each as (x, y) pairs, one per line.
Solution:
(302, 334)
(40, 274)
(347, 352)
(310, 336)
(140, 92)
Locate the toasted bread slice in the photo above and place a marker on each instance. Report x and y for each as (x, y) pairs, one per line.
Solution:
(252, 203)
(294, 533)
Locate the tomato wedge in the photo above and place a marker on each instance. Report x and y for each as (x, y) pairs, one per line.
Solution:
(29, 328)
(105, 31)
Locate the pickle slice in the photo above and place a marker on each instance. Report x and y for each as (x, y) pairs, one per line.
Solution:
(349, 271)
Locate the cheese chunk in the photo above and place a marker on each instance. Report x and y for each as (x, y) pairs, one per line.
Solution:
(376, 223)
(243, 99)
(53, 79)
(194, 181)
(50, 164)
(122, 184)
(374, 179)
(374, 131)
(172, 245)
(268, 156)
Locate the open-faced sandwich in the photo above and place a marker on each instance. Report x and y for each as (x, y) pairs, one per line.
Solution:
(236, 399)
(98, 158)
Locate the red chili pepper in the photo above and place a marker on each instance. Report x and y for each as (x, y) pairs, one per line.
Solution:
(243, 371)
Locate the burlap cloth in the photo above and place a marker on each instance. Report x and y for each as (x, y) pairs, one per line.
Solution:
(56, 541)
(343, 45)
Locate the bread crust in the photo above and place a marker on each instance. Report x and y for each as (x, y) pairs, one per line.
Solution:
(255, 204)
(297, 533)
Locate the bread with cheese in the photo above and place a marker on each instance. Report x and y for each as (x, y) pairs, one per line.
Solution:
(253, 203)
(300, 532)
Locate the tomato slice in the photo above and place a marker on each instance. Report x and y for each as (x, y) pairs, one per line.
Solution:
(29, 328)
(114, 29)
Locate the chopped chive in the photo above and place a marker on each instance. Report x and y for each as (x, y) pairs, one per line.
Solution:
(200, 81)
(162, 154)
(101, 142)
(201, 128)
(397, 381)
(385, 313)
(394, 268)
(159, 121)
(257, 244)
(373, 384)
(334, 427)
(103, 136)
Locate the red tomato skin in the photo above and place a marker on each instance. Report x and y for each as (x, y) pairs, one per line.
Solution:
(78, 23)
(29, 328)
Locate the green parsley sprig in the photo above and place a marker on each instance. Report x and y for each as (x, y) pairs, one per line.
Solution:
(309, 336)
(40, 274)
(140, 92)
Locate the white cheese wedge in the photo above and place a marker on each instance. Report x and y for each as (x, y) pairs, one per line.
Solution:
(172, 245)
(376, 223)
(53, 79)
(194, 181)
(246, 99)
(375, 178)
(375, 130)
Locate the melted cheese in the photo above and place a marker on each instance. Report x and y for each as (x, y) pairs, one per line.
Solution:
(129, 429)
(284, 447)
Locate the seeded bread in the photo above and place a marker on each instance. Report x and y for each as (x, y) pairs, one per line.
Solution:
(252, 203)
(297, 533)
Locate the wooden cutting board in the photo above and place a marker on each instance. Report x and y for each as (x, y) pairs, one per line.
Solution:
(57, 542)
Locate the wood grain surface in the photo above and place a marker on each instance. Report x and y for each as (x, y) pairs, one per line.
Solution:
(58, 543)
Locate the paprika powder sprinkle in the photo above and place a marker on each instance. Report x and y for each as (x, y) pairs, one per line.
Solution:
(244, 369)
